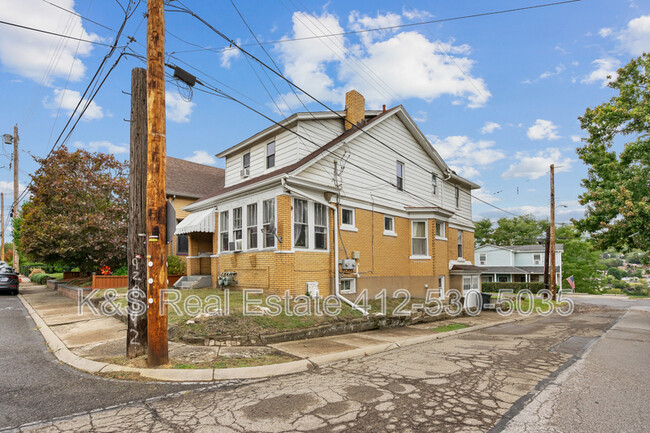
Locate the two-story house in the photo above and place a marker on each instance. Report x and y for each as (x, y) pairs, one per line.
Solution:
(517, 263)
(339, 201)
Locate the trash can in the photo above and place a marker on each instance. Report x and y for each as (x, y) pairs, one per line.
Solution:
(486, 298)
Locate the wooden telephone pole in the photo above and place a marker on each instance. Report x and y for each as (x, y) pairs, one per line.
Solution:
(136, 340)
(157, 351)
(551, 247)
(2, 218)
(16, 264)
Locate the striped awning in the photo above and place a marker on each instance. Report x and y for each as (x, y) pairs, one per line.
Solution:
(201, 221)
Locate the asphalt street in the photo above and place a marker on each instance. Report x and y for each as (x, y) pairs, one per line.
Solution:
(35, 386)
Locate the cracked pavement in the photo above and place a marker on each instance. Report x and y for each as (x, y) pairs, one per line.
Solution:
(463, 383)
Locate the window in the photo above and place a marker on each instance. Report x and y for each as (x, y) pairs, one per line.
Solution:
(389, 225)
(434, 183)
(400, 176)
(537, 259)
(236, 224)
(457, 197)
(460, 244)
(467, 283)
(419, 238)
(482, 259)
(251, 223)
(268, 222)
(347, 217)
(223, 229)
(246, 164)
(300, 223)
(270, 155)
(320, 226)
(348, 285)
(503, 279)
(440, 230)
(441, 287)
(182, 245)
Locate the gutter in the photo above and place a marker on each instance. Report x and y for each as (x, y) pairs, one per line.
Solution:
(337, 281)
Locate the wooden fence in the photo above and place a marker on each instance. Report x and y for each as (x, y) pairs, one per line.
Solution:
(118, 281)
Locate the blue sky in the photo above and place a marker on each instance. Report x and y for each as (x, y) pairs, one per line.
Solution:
(498, 95)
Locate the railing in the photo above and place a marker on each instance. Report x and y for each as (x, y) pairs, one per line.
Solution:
(119, 281)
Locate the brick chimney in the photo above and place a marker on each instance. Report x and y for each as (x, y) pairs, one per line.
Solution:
(355, 109)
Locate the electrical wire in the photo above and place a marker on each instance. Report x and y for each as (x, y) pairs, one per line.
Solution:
(54, 34)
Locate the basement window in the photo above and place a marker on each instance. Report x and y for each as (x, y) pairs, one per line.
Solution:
(348, 285)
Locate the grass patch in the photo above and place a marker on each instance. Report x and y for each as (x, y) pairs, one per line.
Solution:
(449, 327)
(235, 362)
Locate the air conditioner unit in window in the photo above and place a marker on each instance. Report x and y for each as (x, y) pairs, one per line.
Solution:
(239, 245)
(245, 172)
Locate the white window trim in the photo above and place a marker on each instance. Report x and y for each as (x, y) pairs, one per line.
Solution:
(441, 289)
(426, 231)
(444, 231)
(266, 155)
(403, 175)
(392, 233)
(311, 230)
(349, 227)
(260, 224)
(353, 286)
(481, 261)
(537, 262)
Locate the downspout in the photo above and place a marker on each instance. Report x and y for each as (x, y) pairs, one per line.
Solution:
(337, 281)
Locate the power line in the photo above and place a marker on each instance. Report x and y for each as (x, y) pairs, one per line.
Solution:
(54, 34)
(79, 15)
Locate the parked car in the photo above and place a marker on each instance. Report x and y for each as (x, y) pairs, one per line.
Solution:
(9, 280)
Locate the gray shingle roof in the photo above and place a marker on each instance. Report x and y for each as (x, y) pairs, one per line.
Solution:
(189, 179)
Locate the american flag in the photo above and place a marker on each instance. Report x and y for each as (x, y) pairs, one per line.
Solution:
(572, 282)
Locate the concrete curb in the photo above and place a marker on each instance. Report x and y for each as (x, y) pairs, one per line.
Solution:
(63, 354)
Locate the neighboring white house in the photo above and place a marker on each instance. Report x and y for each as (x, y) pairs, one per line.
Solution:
(517, 263)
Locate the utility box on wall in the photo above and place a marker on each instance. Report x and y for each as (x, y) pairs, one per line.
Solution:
(348, 264)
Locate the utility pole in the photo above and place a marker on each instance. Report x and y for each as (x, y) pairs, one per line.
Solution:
(157, 350)
(136, 339)
(553, 282)
(16, 264)
(546, 256)
(2, 218)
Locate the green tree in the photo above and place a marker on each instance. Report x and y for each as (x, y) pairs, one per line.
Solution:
(579, 259)
(78, 211)
(616, 273)
(483, 232)
(617, 197)
(520, 230)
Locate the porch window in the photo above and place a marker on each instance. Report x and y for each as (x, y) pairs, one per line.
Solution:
(400, 176)
(320, 226)
(457, 197)
(434, 183)
(460, 244)
(300, 223)
(467, 283)
(270, 155)
(251, 222)
(440, 230)
(223, 230)
(537, 259)
(182, 245)
(482, 259)
(268, 222)
(237, 223)
(419, 238)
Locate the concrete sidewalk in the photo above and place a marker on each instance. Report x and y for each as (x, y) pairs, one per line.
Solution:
(82, 340)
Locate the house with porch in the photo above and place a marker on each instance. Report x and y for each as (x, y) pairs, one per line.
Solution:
(337, 202)
(516, 263)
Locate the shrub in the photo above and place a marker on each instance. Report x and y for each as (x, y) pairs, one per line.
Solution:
(615, 291)
(39, 278)
(124, 270)
(35, 271)
(534, 287)
(175, 265)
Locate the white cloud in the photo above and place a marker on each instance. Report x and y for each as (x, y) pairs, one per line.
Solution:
(405, 64)
(490, 127)
(416, 14)
(558, 70)
(576, 138)
(485, 194)
(7, 188)
(68, 100)
(178, 109)
(30, 54)
(605, 71)
(605, 31)
(537, 165)
(99, 146)
(421, 116)
(463, 155)
(201, 157)
(229, 54)
(543, 130)
(635, 38)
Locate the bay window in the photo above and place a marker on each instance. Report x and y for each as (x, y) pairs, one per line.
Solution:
(223, 230)
(320, 226)
(251, 224)
(300, 223)
(419, 239)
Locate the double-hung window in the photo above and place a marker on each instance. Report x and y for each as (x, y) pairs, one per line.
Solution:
(223, 230)
(434, 183)
(400, 176)
(460, 244)
(236, 224)
(419, 238)
(270, 155)
(537, 259)
(457, 197)
(482, 259)
(251, 223)
(320, 226)
(440, 230)
(441, 287)
(246, 163)
(300, 223)
(268, 222)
